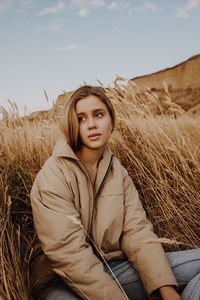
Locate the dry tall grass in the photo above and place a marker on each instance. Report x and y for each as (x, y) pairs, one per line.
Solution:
(157, 142)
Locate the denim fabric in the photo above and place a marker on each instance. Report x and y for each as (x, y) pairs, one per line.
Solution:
(185, 266)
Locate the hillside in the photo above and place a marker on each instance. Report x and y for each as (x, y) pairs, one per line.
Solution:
(183, 82)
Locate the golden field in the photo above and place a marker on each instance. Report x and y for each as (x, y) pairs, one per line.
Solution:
(157, 141)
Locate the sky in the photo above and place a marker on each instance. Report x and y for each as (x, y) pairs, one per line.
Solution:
(56, 46)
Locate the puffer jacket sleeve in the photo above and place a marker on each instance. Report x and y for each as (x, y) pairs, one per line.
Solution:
(64, 241)
(148, 258)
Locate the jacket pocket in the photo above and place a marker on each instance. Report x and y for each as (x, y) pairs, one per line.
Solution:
(112, 189)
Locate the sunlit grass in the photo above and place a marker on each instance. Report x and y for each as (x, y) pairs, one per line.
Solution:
(157, 142)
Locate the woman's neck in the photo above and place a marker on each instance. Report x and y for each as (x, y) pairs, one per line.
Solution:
(90, 157)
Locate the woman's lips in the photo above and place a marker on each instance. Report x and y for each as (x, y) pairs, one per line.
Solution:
(94, 136)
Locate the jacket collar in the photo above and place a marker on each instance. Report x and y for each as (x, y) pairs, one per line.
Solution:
(63, 149)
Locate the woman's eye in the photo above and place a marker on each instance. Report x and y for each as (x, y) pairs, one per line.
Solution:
(99, 115)
(81, 119)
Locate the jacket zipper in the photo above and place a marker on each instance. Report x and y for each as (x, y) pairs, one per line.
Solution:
(95, 197)
(90, 180)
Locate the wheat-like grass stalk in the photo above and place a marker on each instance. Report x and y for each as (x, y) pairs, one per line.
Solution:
(154, 139)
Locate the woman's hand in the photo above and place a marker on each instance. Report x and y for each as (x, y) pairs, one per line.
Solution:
(167, 292)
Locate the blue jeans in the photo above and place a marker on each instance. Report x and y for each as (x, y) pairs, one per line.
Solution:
(185, 266)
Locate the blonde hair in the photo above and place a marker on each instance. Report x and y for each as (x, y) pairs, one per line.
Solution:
(69, 124)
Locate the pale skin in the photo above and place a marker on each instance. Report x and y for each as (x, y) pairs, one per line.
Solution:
(95, 129)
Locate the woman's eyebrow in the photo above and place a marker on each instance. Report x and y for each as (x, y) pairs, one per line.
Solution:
(81, 113)
(94, 111)
(98, 109)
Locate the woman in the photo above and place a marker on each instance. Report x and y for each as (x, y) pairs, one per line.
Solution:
(87, 212)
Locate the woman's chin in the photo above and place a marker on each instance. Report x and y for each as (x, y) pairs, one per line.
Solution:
(95, 145)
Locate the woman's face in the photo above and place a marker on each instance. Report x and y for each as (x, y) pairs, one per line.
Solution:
(95, 123)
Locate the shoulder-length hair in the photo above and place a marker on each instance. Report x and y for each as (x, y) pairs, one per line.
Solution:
(69, 124)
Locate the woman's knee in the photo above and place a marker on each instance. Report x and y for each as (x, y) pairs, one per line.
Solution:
(185, 264)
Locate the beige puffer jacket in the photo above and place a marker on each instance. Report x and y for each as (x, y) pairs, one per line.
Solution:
(63, 195)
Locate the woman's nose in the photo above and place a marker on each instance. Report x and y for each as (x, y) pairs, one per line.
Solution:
(91, 123)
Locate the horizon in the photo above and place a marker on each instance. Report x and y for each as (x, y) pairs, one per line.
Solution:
(56, 46)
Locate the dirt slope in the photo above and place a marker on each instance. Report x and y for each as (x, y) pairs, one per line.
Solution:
(183, 82)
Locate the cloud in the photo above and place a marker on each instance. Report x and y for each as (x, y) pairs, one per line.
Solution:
(115, 27)
(149, 5)
(126, 5)
(146, 6)
(84, 6)
(83, 12)
(24, 3)
(55, 27)
(76, 48)
(183, 12)
(58, 23)
(5, 5)
(121, 5)
(118, 5)
(62, 20)
(113, 5)
(52, 10)
(87, 3)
